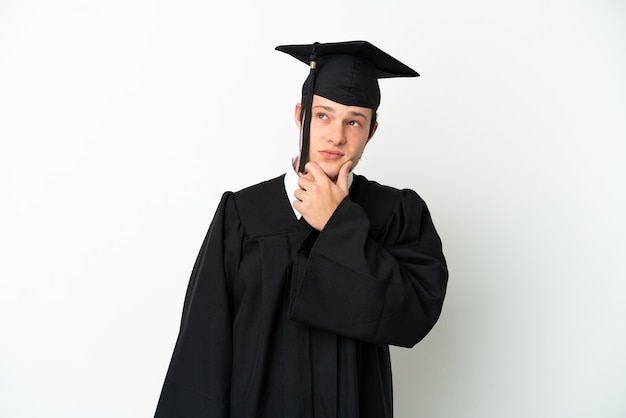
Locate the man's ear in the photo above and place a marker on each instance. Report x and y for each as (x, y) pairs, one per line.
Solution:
(296, 114)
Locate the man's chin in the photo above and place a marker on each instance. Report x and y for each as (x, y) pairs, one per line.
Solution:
(331, 171)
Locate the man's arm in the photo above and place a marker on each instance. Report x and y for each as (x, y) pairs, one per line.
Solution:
(387, 290)
(198, 379)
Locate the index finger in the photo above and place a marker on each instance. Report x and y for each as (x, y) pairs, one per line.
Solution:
(314, 170)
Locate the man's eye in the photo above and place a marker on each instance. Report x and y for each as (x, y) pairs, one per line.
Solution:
(322, 116)
(354, 123)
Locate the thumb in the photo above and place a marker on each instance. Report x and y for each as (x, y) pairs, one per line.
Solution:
(342, 178)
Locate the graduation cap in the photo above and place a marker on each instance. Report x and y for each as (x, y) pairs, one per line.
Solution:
(344, 72)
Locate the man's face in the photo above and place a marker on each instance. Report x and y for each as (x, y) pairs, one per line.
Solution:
(338, 133)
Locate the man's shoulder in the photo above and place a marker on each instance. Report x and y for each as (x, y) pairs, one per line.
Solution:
(374, 190)
(263, 208)
(261, 189)
(382, 201)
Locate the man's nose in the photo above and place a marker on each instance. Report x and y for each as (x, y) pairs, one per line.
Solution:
(337, 133)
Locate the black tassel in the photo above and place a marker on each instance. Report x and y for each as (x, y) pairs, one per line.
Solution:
(306, 125)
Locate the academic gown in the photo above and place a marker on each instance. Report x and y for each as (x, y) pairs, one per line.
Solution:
(283, 321)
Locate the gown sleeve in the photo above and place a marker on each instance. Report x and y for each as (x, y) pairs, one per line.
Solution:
(383, 290)
(197, 383)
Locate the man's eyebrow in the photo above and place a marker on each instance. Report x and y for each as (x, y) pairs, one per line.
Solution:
(326, 108)
(330, 109)
(355, 113)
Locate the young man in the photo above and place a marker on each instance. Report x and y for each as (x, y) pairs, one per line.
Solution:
(304, 280)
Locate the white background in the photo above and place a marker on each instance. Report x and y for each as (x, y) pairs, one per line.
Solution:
(122, 122)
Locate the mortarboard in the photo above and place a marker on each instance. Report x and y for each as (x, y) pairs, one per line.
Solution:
(344, 72)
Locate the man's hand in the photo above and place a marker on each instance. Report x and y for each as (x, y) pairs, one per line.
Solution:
(319, 196)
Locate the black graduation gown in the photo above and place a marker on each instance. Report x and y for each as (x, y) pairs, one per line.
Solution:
(282, 321)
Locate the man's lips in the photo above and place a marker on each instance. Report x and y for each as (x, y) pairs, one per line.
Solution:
(331, 154)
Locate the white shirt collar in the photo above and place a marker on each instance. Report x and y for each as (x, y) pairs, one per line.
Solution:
(291, 184)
